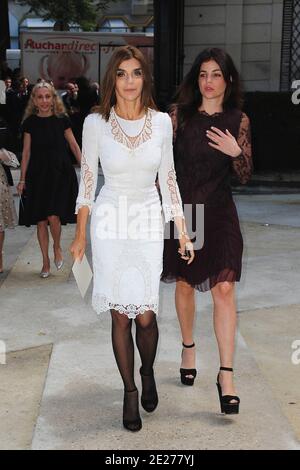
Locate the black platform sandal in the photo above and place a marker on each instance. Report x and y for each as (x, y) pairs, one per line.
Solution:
(226, 404)
(185, 372)
(131, 408)
(149, 398)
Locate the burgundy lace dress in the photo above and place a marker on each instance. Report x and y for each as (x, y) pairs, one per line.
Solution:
(203, 176)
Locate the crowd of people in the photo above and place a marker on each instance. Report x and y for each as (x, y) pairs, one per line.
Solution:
(158, 163)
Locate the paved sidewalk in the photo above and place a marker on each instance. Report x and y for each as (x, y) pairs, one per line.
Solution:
(61, 388)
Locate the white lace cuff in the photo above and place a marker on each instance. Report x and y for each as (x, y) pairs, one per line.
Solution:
(175, 210)
(83, 203)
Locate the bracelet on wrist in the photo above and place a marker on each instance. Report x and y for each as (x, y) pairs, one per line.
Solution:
(22, 182)
(183, 233)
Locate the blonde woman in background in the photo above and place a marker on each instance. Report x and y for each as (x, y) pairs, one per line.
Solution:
(48, 180)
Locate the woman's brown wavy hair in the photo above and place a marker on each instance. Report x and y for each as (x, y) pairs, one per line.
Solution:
(188, 98)
(108, 95)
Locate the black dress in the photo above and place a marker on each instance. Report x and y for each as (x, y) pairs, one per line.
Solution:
(51, 182)
(204, 176)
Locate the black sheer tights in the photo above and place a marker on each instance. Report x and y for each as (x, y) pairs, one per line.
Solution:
(123, 347)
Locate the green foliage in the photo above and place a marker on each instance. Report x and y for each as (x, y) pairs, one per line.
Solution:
(83, 12)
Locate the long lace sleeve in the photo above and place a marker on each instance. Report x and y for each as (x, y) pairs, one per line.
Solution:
(171, 200)
(89, 164)
(242, 165)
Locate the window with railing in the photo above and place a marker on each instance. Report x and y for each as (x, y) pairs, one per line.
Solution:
(290, 50)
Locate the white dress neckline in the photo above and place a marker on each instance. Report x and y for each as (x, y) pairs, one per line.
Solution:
(140, 133)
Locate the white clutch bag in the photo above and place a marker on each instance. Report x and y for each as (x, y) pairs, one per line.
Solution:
(83, 275)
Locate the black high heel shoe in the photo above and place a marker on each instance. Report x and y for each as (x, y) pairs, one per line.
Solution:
(149, 398)
(185, 372)
(130, 409)
(226, 404)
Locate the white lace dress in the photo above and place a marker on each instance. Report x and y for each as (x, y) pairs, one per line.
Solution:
(127, 224)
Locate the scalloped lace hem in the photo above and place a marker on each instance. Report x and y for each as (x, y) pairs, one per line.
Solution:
(101, 304)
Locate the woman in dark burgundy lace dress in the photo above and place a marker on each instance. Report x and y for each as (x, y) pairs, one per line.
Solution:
(211, 142)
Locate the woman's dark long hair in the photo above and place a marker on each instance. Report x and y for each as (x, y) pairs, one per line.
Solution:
(108, 95)
(188, 98)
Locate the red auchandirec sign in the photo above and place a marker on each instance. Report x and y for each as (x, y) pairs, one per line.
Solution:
(76, 46)
(64, 56)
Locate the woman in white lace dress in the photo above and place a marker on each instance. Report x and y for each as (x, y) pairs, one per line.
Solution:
(8, 216)
(134, 143)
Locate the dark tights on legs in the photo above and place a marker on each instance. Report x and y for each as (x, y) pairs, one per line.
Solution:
(146, 340)
(123, 347)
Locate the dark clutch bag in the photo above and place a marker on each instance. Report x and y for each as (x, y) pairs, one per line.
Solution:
(8, 175)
